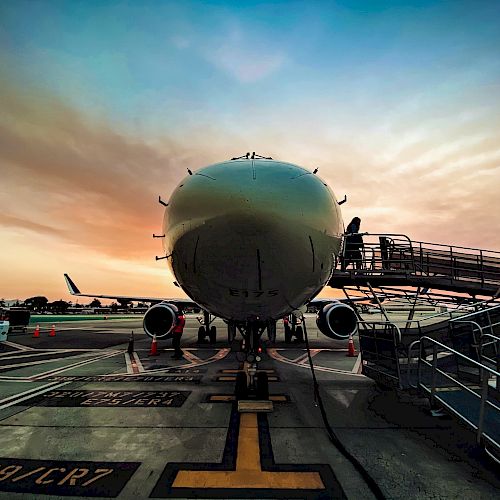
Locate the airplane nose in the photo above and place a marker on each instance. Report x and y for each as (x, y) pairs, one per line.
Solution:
(251, 237)
(258, 188)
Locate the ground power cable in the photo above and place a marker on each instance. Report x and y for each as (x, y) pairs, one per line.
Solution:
(370, 482)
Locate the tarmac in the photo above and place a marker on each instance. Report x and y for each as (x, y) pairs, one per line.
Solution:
(81, 417)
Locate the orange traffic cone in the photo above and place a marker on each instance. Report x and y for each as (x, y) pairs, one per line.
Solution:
(351, 352)
(52, 331)
(154, 347)
(36, 333)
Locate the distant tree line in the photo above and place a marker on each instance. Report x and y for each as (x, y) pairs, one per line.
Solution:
(40, 304)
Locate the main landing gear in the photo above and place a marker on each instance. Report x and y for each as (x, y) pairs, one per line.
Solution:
(293, 330)
(251, 383)
(205, 330)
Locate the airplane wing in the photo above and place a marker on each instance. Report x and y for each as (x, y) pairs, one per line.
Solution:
(73, 290)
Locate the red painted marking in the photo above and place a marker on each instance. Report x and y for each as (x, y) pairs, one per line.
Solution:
(133, 363)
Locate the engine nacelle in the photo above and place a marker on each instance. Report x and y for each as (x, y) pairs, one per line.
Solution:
(337, 321)
(160, 320)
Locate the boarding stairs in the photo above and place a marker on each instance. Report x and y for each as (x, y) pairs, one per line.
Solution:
(452, 357)
(395, 260)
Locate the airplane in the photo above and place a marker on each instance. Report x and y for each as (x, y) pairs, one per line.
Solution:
(249, 240)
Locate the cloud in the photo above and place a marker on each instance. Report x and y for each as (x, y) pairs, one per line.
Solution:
(80, 179)
(180, 42)
(17, 222)
(244, 59)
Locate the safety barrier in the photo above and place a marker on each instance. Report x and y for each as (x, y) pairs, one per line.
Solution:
(475, 401)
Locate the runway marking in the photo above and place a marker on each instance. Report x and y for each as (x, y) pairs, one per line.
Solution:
(134, 365)
(249, 473)
(304, 357)
(278, 357)
(170, 377)
(13, 355)
(221, 354)
(63, 477)
(18, 346)
(234, 371)
(19, 398)
(112, 399)
(43, 375)
(229, 398)
(31, 363)
(357, 366)
(191, 357)
(232, 378)
(127, 362)
(248, 470)
(138, 362)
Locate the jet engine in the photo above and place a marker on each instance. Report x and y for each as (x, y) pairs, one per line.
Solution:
(160, 319)
(337, 320)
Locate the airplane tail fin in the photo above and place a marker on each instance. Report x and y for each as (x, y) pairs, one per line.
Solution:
(73, 289)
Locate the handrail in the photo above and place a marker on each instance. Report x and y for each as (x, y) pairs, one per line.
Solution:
(483, 397)
(473, 323)
(480, 311)
(457, 246)
(419, 243)
(491, 335)
(457, 353)
(410, 349)
(383, 323)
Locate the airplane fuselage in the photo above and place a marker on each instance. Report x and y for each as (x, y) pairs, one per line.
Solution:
(252, 239)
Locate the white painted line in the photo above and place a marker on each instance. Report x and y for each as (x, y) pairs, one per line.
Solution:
(278, 357)
(305, 358)
(42, 390)
(357, 365)
(31, 363)
(221, 354)
(138, 362)
(191, 357)
(340, 349)
(74, 365)
(30, 355)
(29, 391)
(128, 363)
(18, 346)
(15, 379)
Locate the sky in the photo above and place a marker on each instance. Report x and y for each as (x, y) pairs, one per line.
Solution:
(105, 104)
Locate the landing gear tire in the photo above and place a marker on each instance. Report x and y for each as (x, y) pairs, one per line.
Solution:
(271, 331)
(231, 332)
(288, 335)
(299, 334)
(213, 334)
(241, 388)
(262, 386)
(201, 335)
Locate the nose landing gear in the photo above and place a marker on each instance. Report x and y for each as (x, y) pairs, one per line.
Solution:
(252, 385)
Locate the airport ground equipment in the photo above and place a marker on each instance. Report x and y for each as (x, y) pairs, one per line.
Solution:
(395, 260)
(4, 330)
(18, 318)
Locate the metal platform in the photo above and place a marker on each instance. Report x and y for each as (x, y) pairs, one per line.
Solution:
(395, 260)
(455, 361)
